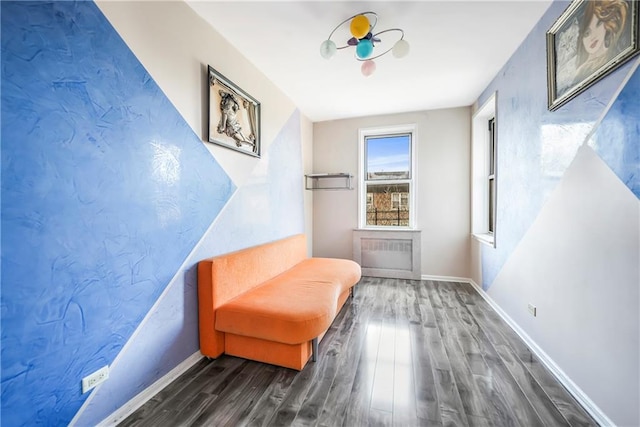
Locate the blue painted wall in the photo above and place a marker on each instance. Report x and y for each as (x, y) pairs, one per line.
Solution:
(536, 145)
(169, 334)
(617, 137)
(105, 192)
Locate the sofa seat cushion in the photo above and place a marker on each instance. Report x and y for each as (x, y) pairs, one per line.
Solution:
(344, 272)
(293, 307)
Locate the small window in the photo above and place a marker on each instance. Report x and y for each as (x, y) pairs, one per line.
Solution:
(400, 201)
(387, 176)
(395, 200)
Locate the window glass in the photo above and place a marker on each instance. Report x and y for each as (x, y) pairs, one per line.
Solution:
(492, 195)
(390, 204)
(388, 157)
(492, 146)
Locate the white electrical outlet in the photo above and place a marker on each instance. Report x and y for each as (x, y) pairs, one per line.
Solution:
(532, 310)
(90, 381)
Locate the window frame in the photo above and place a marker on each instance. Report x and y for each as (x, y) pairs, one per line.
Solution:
(484, 172)
(365, 133)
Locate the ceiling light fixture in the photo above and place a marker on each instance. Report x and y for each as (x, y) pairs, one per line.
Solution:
(364, 41)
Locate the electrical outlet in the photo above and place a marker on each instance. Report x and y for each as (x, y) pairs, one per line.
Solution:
(90, 381)
(532, 310)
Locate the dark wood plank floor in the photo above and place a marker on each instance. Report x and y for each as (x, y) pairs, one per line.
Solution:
(401, 352)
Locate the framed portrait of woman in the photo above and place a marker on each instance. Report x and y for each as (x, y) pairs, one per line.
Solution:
(588, 41)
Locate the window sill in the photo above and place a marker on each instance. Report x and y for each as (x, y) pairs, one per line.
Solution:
(486, 238)
(382, 228)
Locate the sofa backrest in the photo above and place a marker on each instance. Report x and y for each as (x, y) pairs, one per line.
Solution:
(224, 277)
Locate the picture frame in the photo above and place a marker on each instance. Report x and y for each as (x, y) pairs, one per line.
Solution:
(588, 41)
(234, 115)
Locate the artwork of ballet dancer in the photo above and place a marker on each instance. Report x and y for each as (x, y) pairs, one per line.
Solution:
(588, 41)
(234, 116)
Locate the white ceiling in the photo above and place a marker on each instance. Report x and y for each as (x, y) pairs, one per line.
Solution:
(457, 47)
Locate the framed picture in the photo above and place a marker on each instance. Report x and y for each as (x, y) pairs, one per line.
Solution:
(234, 116)
(589, 40)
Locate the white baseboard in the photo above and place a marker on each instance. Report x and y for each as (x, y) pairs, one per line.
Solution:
(560, 375)
(445, 278)
(141, 398)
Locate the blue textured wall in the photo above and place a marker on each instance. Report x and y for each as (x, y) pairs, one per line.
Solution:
(617, 138)
(535, 146)
(170, 332)
(105, 191)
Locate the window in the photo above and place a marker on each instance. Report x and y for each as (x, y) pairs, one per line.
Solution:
(387, 176)
(484, 172)
(400, 201)
(492, 175)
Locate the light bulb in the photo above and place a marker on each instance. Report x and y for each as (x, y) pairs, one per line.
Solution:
(368, 67)
(327, 49)
(364, 48)
(400, 49)
(359, 26)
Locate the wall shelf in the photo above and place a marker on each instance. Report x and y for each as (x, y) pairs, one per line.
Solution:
(328, 181)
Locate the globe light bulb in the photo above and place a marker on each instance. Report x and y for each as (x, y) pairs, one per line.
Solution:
(368, 68)
(359, 26)
(400, 49)
(327, 49)
(364, 48)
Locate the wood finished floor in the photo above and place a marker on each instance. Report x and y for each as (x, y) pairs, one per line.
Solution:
(401, 352)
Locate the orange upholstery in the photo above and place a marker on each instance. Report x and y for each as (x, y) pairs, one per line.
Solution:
(268, 302)
(226, 276)
(294, 307)
(292, 356)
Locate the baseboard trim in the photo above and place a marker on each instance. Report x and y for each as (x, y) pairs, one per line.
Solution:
(444, 278)
(561, 376)
(141, 398)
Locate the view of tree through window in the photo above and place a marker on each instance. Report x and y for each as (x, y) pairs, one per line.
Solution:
(387, 179)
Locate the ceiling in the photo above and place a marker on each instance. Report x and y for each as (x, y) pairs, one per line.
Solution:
(457, 47)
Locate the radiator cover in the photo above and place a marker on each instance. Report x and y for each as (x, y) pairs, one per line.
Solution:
(388, 253)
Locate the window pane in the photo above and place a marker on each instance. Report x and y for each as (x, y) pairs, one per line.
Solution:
(388, 157)
(390, 205)
(492, 195)
(492, 146)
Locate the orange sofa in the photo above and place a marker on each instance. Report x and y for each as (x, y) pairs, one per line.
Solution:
(271, 303)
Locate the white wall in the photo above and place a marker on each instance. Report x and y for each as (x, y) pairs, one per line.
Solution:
(578, 263)
(443, 150)
(307, 165)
